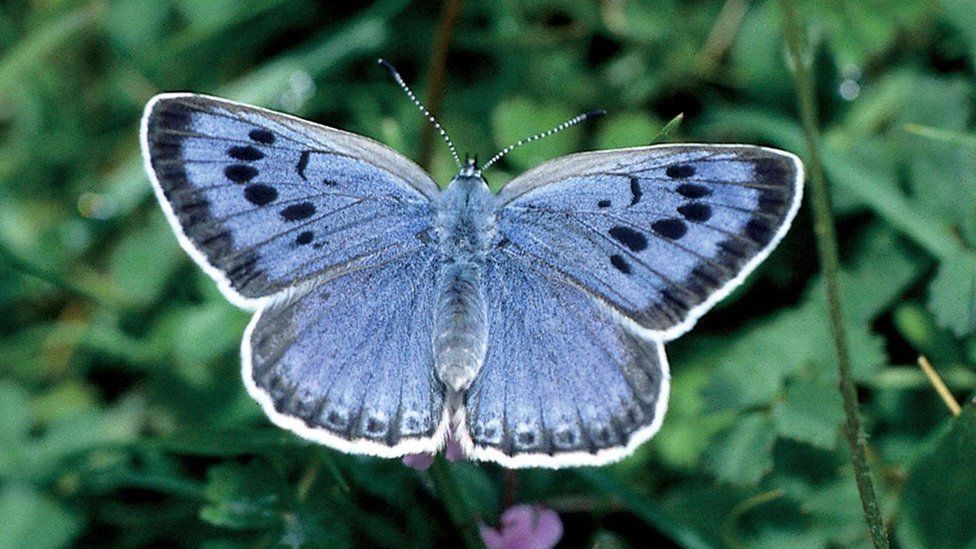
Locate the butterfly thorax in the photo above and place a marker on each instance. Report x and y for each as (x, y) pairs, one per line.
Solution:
(465, 221)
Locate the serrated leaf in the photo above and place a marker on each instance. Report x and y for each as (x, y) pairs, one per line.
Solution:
(952, 294)
(743, 454)
(752, 368)
(243, 497)
(937, 503)
(811, 412)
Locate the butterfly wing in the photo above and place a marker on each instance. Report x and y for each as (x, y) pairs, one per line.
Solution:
(326, 234)
(348, 362)
(564, 383)
(602, 257)
(658, 233)
(263, 200)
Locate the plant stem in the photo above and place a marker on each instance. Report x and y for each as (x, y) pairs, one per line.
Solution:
(457, 508)
(435, 77)
(823, 226)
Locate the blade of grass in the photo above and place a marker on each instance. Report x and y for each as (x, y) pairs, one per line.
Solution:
(801, 60)
(45, 41)
(450, 494)
(605, 482)
(939, 134)
(668, 129)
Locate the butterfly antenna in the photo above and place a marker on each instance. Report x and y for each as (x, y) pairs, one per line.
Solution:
(430, 117)
(567, 124)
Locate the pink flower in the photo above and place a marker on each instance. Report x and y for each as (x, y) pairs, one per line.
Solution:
(421, 462)
(524, 527)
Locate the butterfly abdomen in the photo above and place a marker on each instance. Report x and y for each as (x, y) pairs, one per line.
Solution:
(465, 223)
(461, 325)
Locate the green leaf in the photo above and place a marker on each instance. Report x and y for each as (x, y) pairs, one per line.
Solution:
(743, 454)
(628, 129)
(952, 294)
(15, 411)
(520, 118)
(228, 442)
(811, 412)
(31, 519)
(243, 497)
(937, 504)
(143, 262)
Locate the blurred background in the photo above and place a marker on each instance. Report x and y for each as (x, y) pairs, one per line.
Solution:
(123, 420)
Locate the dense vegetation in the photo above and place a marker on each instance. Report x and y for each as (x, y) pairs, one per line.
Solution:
(123, 420)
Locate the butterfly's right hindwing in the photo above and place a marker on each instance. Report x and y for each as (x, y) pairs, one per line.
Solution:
(564, 383)
(264, 201)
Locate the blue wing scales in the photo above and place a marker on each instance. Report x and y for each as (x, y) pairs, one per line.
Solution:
(657, 233)
(564, 382)
(263, 200)
(348, 361)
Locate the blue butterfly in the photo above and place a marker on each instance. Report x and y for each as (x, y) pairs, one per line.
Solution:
(531, 323)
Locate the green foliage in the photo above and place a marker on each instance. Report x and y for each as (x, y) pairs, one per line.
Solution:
(124, 418)
(939, 489)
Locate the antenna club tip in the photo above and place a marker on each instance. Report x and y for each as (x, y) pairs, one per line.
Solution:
(598, 113)
(386, 65)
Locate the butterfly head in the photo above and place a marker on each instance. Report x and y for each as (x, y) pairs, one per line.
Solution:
(470, 167)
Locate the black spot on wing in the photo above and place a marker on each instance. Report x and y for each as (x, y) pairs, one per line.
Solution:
(603, 204)
(695, 211)
(670, 228)
(240, 173)
(634, 240)
(635, 191)
(297, 212)
(260, 195)
(247, 154)
(620, 263)
(262, 136)
(680, 171)
(302, 164)
(690, 190)
(304, 237)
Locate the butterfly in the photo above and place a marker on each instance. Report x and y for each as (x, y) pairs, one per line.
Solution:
(530, 324)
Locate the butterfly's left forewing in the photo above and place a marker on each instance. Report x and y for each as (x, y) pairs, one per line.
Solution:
(263, 201)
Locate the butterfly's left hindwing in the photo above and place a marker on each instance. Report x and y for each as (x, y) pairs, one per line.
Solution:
(660, 233)
(263, 201)
(348, 362)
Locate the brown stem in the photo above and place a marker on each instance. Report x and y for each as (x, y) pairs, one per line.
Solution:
(435, 77)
